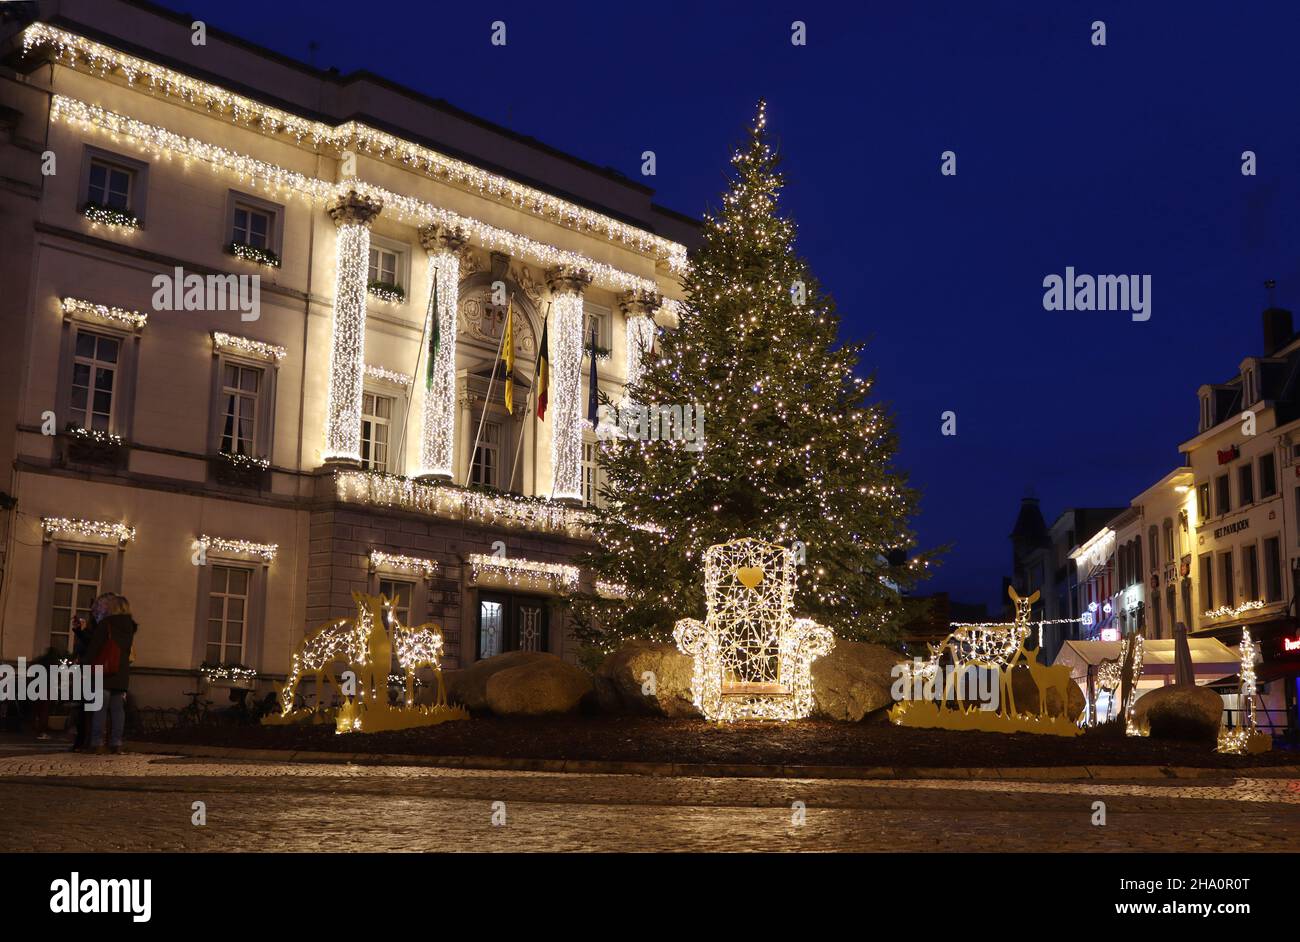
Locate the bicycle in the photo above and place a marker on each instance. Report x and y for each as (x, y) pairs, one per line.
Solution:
(196, 713)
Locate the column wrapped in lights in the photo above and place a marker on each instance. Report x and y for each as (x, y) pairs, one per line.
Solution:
(638, 308)
(567, 285)
(437, 436)
(352, 214)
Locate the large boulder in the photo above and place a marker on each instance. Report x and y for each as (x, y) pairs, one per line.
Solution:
(468, 686)
(1025, 692)
(621, 681)
(853, 680)
(1179, 712)
(538, 686)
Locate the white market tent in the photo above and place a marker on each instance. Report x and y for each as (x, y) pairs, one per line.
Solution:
(1212, 660)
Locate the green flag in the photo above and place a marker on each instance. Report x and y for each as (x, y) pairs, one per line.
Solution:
(435, 338)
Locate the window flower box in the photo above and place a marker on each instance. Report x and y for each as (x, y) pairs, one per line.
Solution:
(252, 253)
(86, 446)
(240, 470)
(386, 291)
(110, 216)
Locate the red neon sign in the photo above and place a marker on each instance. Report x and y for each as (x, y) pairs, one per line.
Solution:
(1291, 644)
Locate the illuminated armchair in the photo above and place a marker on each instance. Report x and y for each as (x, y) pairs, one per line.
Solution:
(753, 658)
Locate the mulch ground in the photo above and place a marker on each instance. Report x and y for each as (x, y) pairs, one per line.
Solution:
(650, 739)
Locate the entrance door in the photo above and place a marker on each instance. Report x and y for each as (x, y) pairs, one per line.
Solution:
(509, 622)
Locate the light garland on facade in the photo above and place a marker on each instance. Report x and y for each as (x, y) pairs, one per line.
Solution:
(381, 560)
(278, 179)
(610, 590)
(95, 529)
(116, 315)
(567, 321)
(523, 573)
(445, 500)
(252, 253)
(253, 348)
(245, 462)
(388, 376)
(352, 214)
(1226, 610)
(264, 551)
(640, 340)
(753, 659)
(235, 673)
(71, 49)
(391, 294)
(437, 440)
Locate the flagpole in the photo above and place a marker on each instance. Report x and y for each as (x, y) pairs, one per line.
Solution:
(415, 376)
(532, 394)
(469, 465)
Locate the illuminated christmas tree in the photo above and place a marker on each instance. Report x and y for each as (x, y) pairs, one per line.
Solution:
(794, 450)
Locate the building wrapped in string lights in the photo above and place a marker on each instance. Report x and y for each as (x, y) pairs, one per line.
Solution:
(239, 474)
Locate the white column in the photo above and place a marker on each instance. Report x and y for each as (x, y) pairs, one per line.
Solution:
(352, 214)
(438, 428)
(566, 341)
(639, 313)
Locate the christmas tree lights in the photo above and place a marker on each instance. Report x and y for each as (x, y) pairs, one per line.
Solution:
(797, 448)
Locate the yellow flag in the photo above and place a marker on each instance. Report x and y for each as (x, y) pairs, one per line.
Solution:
(509, 354)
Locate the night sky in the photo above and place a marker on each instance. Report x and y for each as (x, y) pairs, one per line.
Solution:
(1117, 160)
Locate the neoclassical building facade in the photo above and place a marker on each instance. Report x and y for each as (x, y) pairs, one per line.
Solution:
(238, 456)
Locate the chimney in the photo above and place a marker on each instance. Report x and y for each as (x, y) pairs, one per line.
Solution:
(1277, 329)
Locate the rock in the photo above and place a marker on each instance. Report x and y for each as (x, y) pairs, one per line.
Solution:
(468, 686)
(620, 680)
(536, 687)
(854, 679)
(1025, 692)
(1179, 712)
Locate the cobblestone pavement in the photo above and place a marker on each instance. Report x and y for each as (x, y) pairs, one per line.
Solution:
(144, 802)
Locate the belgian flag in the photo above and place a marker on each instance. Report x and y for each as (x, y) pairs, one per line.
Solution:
(543, 371)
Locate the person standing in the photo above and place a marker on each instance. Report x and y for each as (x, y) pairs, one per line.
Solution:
(110, 647)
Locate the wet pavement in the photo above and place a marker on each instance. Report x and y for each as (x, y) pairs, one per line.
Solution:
(57, 801)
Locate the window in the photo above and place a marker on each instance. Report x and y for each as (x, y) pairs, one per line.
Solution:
(591, 476)
(491, 625)
(1155, 616)
(1169, 541)
(597, 319)
(1222, 494)
(376, 422)
(77, 577)
(1207, 416)
(253, 226)
(1272, 570)
(227, 614)
(1250, 572)
(398, 592)
(383, 265)
(1153, 544)
(1229, 591)
(486, 470)
(241, 386)
(1202, 501)
(94, 371)
(1137, 560)
(511, 623)
(109, 185)
(1267, 475)
(1207, 582)
(1245, 485)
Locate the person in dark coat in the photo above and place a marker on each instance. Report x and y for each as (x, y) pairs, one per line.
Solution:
(114, 628)
(79, 718)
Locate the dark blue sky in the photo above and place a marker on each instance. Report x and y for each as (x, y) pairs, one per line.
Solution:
(1117, 160)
